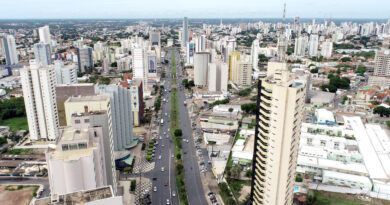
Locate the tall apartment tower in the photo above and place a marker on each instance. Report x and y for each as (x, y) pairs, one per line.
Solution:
(244, 74)
(313, 45)
(201, 63)
(185, 31)
(44, 35)
(382, 63)
(9, 48)
(327, 49)
(42, 53)
(300, 46)
(217, 77)
(39, 93)
(84, 57)
(65, 74)
(278, 120)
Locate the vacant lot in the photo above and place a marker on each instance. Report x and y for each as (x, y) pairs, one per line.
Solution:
(22, 196)
(16, 123)
(328, 198)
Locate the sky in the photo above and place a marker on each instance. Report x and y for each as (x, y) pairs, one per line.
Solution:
(68, 9)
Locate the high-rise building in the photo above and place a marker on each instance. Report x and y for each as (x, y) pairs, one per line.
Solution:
(234, 57)
(9, 50)
(137, 101)
(255, 54)
(217, 77)
(282, 47)
(139, 65)
(280, 102)
(76, 162)
(116, 101)
(327, 49)
(39, 94)
(201, 63)
(243, 76)
(313, 45)
(84, 57)
(300, 46)
(42, 53)
(65, 74)
(44, 35)
(155, 38)
(382, 63)
(185, 32)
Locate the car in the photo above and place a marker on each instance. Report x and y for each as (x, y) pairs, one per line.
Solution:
(173, 155)
(166, 183)
(159, 157)
(162, 169)
(160, 138)
(162, 145)
(168, 201)
(155, 189)
(210, 194)
(173, 193)
(154, 178)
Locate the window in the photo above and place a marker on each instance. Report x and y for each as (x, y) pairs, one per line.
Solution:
(83, 145)
(323, 143)
(65, 147)
(77, 121)
(309, 141)
(86, 120)
(72, 146)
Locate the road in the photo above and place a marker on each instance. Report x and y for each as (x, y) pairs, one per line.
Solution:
(193, 181)
(165, 148)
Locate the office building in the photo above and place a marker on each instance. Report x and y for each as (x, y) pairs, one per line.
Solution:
(185, 32)
(84, 58)
(155, 38)
(65, 74)
(278, 124)
(382, 63)
(44, 35)
(313, 45)
(64, 91)
(139, 65)
(77, 161)
(9, 50)
(234, 57)
(42, 54)
(38, 83)
(327, 49)
(137, 101)
(116, 101)
(201, 63)
(255, 54)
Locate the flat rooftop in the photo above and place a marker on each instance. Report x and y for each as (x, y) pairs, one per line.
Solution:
(88, 98)
(71, 134)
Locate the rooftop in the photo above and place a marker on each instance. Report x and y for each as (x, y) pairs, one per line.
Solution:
(88, 98)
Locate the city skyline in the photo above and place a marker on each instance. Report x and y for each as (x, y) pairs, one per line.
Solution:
(375, 9)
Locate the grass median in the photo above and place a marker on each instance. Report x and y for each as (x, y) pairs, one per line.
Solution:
(177, 138)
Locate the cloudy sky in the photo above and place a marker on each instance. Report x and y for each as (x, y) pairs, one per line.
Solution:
(25, 9)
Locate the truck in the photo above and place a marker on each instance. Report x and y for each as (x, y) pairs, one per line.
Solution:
(185, 103)
(162, 121)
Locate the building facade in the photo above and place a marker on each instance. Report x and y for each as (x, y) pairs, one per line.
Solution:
(84, 57)
(9, 48)
(201, 62)
(42, 53)
(278, 121)
(39, 93)
(382, 63)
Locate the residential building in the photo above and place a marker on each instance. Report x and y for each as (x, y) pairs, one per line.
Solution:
(9, 48)
(155, 38)
(382, 63)
(327, 49)
(38, 83)
(44, 35)
(300, 46)
(243, 76)
(234, 57)
(42, 53)
(201, 62)
(313, 45)
(185, 32)
(137, 102)
(139, 69)
(76, 162)
(65, 74)
(84, 57)
(278, 121)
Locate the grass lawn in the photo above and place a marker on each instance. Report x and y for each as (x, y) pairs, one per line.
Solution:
(17, 123)
(329, 198)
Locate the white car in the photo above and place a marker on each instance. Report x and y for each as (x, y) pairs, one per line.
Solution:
(162, 169)
(168, 202)
(155, 188)
(159, 157)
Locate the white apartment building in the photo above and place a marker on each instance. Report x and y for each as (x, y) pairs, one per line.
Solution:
(139, 66)
(39, 93)
(42, 53)
(65, 74)
(277, 136)
(44, 35)
(382, 63)
(244, 74)
(9, 48)
(201, 63)
(300, 46)
(218, 76)
(313, 45)
(327, 49)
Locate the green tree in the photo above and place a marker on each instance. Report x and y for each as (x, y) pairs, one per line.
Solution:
(382, 111)
(248, 173)
(236, 170)
(249, 108)
(245, 92)
(314, 70)
(178, 132)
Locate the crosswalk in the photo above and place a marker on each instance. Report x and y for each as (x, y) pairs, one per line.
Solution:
(143, 166)
(141, 190)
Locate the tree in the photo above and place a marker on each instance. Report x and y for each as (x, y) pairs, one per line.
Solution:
(345, 98)
(361, 70)
(345, 59)
(262, 58)
(236, 170)
(231, 110)
(382, 111)
(248, 173)
(245, 92)
(128, 169)
(388, 124)
(178, 132)
(314, 70)
(249, 108)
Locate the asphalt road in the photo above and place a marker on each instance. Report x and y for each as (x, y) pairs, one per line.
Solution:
(165, 148)
(195, 192)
